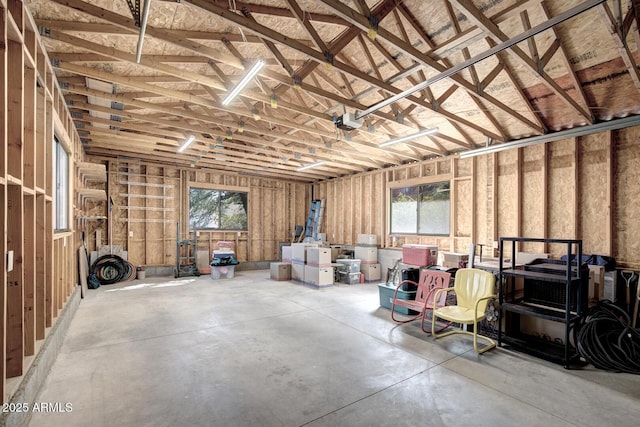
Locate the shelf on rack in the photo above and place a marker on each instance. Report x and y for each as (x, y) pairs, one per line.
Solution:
(539, 312)
(548, 277)
(544, 349)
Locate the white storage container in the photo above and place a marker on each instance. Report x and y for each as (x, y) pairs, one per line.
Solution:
(366, 254)
(299, 251)
(297, 271)
(319, 257)
(367, 240)
(372, 272)
(319, 277)
(286, 254)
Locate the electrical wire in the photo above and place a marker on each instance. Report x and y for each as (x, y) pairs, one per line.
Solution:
(110, 269)
(605, 338)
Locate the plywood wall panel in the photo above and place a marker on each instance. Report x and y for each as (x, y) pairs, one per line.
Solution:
(507, 194)
(256, 204)
(357, 215)
(561, 192)
(379, 206)
(593, 211)
(533, 196)
(482, 181)
(462, 197)
(627, 201)
(268, 227)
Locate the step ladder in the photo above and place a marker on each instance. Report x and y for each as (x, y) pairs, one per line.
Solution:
(314, 221)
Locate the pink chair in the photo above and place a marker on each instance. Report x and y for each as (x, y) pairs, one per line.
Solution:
(429, 282)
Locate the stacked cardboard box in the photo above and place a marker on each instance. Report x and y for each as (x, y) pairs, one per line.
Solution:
(454, 260)
(367, 251)
(280, 271)
(318, 272)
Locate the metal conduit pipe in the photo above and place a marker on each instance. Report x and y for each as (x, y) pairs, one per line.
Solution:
(143, 29)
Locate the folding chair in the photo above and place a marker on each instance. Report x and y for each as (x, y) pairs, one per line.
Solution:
(429, 282)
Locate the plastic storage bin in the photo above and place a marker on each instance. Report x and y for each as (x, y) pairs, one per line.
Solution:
(420, 255)
(386, 298)
(349, 265)
(222, 272)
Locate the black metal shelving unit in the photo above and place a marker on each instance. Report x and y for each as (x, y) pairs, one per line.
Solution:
(552, 290)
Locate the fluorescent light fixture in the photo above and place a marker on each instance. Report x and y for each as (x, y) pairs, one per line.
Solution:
(409, 137)
(187, 143)
(568, 14)
(245, 81)
(309, 166)
(556, 136)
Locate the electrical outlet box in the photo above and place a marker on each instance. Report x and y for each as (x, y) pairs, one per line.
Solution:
(495, 244)
(131, 234)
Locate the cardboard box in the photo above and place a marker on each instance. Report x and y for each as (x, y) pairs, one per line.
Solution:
(319, 277)
(319, 257)
(286, 254)
(299, 251)
(367, 240)
(454, 260)
(280, 271)
(366, 254)
(297, 271)
(420, 255)
(372, 272)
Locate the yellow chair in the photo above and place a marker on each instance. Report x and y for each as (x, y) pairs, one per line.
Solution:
(473, 289)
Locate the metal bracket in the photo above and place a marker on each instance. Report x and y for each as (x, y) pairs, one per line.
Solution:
(134, 7)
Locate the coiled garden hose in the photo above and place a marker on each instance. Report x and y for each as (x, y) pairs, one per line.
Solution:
(605, 338)
(110, 269)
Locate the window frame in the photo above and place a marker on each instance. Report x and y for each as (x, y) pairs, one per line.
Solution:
(214, 187)
(412, 183)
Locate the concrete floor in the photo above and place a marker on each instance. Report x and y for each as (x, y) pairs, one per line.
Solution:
(250, 351)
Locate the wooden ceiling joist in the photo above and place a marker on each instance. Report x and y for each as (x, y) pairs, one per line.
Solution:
(323, 59)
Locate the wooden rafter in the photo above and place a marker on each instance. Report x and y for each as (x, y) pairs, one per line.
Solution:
(128, 25)
(557, 44)
(492, 30)
(621, 43)
(361, 22)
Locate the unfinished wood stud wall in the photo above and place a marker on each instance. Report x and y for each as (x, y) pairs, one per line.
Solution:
(40, 276)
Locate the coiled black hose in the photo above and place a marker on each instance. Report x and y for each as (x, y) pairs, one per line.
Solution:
(110, 269)
(605, 338)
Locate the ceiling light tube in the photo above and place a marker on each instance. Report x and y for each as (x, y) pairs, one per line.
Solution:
(309, 166)
(409, 137)
(570, 13)
(186, 143)
(556, 136)
(245, 81)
